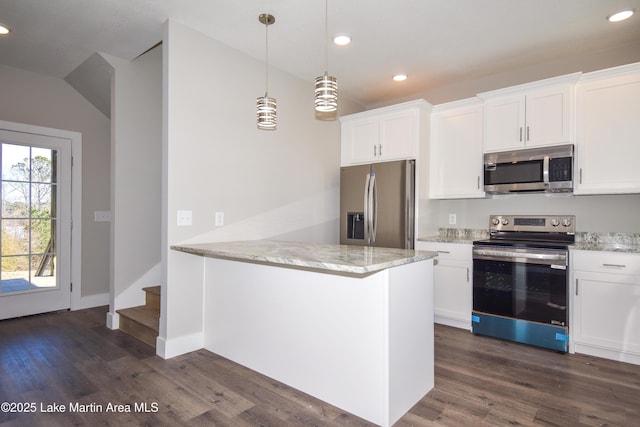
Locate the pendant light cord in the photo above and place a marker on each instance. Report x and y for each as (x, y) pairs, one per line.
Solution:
(266, 66)
(326, 37)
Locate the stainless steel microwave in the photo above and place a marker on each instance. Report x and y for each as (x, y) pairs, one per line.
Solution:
(543, 169)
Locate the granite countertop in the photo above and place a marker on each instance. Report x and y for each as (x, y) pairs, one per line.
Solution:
(327, 258)
(456, 235)
(607, 242)
(585, 241)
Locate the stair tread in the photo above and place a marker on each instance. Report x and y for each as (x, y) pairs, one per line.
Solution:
(152, 290)
(143, 315)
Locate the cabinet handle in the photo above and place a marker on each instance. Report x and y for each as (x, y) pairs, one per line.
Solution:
(467, 274)
(576, 287)
(380, 149)
(528, 133)
(478, 182)
(615, 265)
(375, 150)
(444, 252)
(580, 176)
(520, 133)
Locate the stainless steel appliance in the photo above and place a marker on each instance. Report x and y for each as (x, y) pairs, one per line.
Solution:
(544, 169)
(377, 204)
(521, 280)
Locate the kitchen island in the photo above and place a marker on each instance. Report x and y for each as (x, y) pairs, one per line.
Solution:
(350, 325)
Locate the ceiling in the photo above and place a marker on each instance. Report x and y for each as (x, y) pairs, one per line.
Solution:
(437, 43)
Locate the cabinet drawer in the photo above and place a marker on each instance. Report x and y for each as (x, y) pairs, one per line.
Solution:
(607, 262)
(461, 251)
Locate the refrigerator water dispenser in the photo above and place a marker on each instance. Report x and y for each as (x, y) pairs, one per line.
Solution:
(355, 225)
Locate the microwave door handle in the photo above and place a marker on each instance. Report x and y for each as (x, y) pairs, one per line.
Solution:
(545, 170)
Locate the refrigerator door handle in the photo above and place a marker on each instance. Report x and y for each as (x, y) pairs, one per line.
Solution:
(366, 208)
(373, 199)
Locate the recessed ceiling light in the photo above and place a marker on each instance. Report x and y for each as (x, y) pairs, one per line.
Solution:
(621, 16)
(342, 39)
(400, 77)
(4, 29)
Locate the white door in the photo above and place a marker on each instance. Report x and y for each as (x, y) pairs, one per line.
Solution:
(35, 220)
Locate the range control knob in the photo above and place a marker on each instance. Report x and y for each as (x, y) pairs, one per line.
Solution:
(566, 222)
(505, 221)
(495, 221)
(555, 222)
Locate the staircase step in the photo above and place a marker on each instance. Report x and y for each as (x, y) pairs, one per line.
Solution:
(140, 322)
(152, 297)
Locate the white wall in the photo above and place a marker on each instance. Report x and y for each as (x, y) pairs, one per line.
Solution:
(136, 158)
(40, 100)
(282, 184)
(607, 213)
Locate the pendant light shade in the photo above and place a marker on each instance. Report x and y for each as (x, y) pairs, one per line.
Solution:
(326, 87)
(266, 113)
(326, 93)
(266, 105)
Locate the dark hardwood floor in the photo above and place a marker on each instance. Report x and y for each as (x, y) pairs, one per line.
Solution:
(72, 359)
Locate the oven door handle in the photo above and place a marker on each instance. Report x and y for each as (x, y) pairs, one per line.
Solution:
(549, 258)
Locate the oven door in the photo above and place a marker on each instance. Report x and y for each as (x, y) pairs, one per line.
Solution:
(521, 283)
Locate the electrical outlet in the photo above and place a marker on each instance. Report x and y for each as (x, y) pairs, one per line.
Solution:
(452, 219)
(185, 218)
(219, 219)
(102, 216)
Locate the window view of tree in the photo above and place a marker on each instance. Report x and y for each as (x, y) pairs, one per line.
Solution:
(28, 215)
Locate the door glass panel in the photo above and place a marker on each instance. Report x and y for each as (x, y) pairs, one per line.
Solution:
(519, 290)
(28, 219)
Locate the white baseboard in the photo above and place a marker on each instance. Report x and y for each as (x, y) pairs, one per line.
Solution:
(456, 323)
(606, 353)
(180, 345)
(91, 301)
(113, 320)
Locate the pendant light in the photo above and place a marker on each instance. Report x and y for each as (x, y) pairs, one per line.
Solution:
(266, 105)
(326, 87)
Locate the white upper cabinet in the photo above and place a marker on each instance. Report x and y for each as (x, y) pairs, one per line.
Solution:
(608, 132)
(389, 133)
(530, 115)
(455, 170)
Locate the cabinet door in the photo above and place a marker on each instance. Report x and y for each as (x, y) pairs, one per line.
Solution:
(607, 311)
(452, 293)
(608, 135)
(399, 135)
(504, 120)
(452, 282)
(456, 153)
(360, 141)
(548, 116)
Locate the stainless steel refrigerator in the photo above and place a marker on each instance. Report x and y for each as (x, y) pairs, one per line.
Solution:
(377, 204)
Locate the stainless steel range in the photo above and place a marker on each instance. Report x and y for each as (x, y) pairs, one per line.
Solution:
(521, 280)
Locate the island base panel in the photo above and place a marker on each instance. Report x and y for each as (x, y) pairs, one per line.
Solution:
(363, 344)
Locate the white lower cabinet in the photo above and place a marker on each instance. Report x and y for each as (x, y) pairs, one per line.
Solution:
(606, 305)
(452, 282)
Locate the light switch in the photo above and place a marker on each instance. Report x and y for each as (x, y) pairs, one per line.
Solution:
(102, 216)
(219, 219)
(185, 218)
(452, 219)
